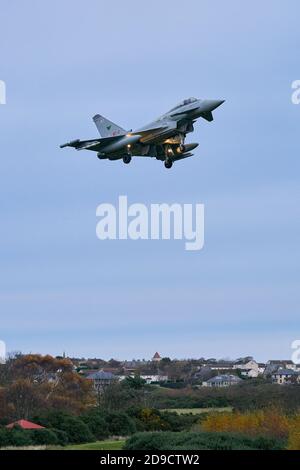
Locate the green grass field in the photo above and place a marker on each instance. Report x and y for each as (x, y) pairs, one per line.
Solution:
(98, 445)
(198, 411)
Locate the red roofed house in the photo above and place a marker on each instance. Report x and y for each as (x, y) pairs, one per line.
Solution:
(25, 425)
(156, 357)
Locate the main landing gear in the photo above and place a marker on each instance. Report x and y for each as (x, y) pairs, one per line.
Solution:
(127, 159)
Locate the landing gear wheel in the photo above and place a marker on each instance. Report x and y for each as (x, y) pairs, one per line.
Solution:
(168, 163)
(127, 159)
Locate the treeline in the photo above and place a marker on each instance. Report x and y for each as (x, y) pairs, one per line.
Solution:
(18, 437)
(49, 392)
(250, 395)
(200, 441)
(268, 429)
(150, 429)
(47, 383)
(95, 424)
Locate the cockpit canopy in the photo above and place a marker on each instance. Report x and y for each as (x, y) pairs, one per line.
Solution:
(184, 103)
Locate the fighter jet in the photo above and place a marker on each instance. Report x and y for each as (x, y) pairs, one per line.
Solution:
(163, 139)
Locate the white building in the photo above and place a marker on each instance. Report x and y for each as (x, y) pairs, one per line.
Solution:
(248, 368)
(249, 373)
(149, 379)
(249, 365)
(154, 378)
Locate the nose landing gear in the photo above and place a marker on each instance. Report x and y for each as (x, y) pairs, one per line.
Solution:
(168, 163)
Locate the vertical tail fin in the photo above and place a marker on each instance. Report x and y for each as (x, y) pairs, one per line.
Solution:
(107, 128)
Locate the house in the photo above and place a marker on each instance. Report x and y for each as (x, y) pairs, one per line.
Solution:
(261, 368)
(87, 372)
(154, 378)
(149, 379)
(273, 365)
(156, 357)
(133, 364)
(248, 364)
(285, 376)
(249, 373)
(248, 368)
(222, 381)
(203, 374)
(101, 380)
(24, 424)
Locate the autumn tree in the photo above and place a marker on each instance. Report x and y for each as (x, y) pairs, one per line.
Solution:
(271, 422)
(31, 383)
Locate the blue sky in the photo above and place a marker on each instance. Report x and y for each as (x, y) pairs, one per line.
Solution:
(61, 289)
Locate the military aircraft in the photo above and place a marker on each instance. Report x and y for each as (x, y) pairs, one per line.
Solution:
(163, 139)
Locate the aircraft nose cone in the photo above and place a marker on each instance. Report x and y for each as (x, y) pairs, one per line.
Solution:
(213, 104)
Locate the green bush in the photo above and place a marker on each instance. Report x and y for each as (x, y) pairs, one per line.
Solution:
(193, 399)
(174, 385)
(5, 437)
(119, 424)
(44, 437)
(97, 424)
(26, 437)
(199, 441)
(76, 430)
(179, 422)
(62, 437)
(151, 419)
(90, 426)
(15, 437)
(20, 437)
(249, 395)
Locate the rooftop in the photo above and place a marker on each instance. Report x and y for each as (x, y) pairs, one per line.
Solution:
(285, 372)
(280, 361)
(101, 375)
(24, 424)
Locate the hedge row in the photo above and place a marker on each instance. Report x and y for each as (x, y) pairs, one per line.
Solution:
(199, 441)
(24, 437)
